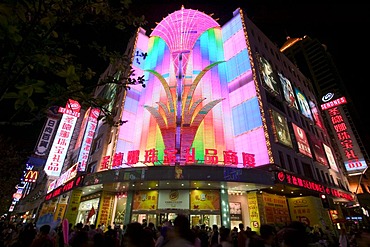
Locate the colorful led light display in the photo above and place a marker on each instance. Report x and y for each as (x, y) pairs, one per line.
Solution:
(200, 94)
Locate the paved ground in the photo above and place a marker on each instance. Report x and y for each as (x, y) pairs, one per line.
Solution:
(364, 240)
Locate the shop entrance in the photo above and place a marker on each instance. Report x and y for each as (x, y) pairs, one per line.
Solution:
(144, 217)
(207, 219)
(159, 217)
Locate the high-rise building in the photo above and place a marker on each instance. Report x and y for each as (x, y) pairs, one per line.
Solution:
(226, 130)
(314, 60)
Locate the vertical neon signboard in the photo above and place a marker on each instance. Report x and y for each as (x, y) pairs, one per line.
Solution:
(58, 151)
(88, 138)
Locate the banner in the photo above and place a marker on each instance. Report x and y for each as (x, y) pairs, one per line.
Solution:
(173, 199)
(145, 200)
(204, 200)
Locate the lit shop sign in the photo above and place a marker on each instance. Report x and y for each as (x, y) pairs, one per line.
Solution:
(301, 138)
(23, 183)
(62, 138)
(46, 136)
(65, 188)
(151, 156)
(353, 163)
(354, 218)
(333, 103)
(31, 176)
(327, 97)
(285, 178)
(70, 174)
(88, 138)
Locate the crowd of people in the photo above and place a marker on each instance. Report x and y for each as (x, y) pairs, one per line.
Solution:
(178, 233)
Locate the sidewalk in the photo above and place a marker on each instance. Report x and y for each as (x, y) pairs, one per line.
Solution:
(364, 240)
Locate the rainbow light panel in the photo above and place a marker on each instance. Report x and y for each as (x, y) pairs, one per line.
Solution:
(200, 96)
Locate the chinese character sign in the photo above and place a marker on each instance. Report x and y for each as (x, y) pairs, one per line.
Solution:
(62, 139)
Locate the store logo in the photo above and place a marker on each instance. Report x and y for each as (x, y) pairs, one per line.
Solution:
(281, 176)
(174, 195)
(300, 201)
(327, 97)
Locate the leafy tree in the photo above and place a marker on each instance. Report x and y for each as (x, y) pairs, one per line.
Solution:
(50, 51)
(53, 50)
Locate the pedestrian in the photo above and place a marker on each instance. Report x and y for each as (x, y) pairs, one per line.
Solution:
(214, 237)
(268, 233)
(43, 238)
(181, 234)
(225, 237)
(136, 236)
(242, 236)
(343, 238)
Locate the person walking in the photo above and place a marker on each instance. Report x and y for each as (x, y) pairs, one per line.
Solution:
(343, 238)
(43, 238)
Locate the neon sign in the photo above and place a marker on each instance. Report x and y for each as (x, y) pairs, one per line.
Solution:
(61, 142)
(285, 178)
(88, 138)
(31, 176)
(65, 188)
(353, 162)
(334, 103)
(210, 158)
(46, 136)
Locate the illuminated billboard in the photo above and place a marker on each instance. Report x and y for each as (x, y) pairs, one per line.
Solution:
(302, 141)
(330, 156)
(303, 104)
(58, 151)
(354, 161)
(318, 151)
(281, 129)
(269, 77)
(200, 104)
(316, 114)
(288, 91)
(88, 131)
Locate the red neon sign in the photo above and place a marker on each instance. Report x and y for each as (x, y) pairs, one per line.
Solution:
(334, 103)
(285, 178)
(151, 156)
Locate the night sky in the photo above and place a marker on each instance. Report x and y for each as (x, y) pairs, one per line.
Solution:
(341, 27)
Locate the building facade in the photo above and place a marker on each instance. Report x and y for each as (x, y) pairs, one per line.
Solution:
(226, 130)
(340, 115)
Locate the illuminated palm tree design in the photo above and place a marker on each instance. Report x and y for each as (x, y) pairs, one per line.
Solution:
(180, 117)
(180, 120)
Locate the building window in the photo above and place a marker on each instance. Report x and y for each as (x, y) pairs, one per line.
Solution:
(97, 144)
(323, 177)
(318, 174)
(282, 160)
(291, 167)
(299, 170)
(332, 179)
(307, 170)
(92, 167)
